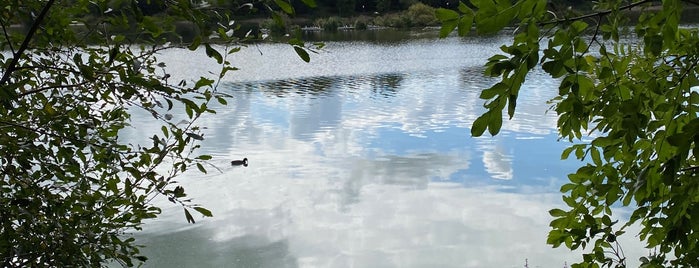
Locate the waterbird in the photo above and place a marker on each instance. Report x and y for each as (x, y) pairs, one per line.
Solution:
(243, 162)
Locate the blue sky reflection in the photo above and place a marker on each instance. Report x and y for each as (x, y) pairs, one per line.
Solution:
(370, 166)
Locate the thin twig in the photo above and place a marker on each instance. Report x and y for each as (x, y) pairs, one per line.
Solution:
(50, 87)
(25, 43)
(601, 13)
(7, 36)
(690, 168)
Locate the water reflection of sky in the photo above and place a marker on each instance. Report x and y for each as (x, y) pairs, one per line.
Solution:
(368, 164)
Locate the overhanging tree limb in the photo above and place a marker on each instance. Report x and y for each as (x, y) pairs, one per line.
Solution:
(25, 43)
(7, 36)
(592, 15)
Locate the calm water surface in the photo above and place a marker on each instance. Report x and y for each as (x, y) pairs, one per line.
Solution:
(363, 158)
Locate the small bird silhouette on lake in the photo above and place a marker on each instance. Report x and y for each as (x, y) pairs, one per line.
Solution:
(243, 162)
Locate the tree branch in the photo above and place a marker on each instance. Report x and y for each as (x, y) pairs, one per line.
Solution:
(28, 92)
(25, 43)
(601, 13)
(7, 36)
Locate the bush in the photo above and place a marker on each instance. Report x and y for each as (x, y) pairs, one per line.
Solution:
(390, 20)
(420, 14)
(362, 22)
(329, 24)
(360, 25)
(417, 14)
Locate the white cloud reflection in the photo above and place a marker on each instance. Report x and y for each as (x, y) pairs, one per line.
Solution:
(352, 170)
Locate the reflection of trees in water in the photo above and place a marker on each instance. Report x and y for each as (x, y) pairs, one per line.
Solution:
(385, 85)
(385, 36)
(473, 77)
(315, 86)
(194, 248)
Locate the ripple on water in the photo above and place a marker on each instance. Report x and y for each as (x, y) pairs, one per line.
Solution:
(365, 154)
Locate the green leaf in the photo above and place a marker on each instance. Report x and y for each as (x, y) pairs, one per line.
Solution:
(195, 136)
(449, 19)
(496, 90)
(479, 125)
(149, 25)
(303, 54)
(491, 17)
(195, 43)
(557, 213)
(213, 53)
(165, 132)
(447, 28)
(555, 237)
(654, 44)
(540, 8)
(286, 7)
(444, 15)
(567, 187)
(128, 188)
(464, 9)
(188, 216)
(118, 38)
(566, 152)
(495, 122)
(511, 105)
(204, 157)
(202, 82)
(595, 156)
(296, 42)
(201, 168)
(465, 24)
(203, 211)
(309, 3)
(578, 26)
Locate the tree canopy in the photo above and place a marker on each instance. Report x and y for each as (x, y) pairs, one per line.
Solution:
(72, 72)
(628, 100)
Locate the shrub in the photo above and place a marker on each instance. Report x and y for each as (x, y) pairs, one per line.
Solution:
(420, 14)
(360, 25)
(362, 22)
(329, 24)
(396, 20)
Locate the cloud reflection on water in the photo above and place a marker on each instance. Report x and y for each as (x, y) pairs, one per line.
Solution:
(369, 170)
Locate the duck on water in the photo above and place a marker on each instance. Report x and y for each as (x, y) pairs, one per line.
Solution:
(243, 162)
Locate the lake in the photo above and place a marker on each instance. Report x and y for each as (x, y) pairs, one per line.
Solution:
(363, 158)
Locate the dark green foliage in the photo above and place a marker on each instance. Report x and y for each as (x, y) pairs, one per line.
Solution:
(360, 25)
(383, 5)
(71, 77)
(329, 24)
(346, 8)
(630, 108)
(421, 15)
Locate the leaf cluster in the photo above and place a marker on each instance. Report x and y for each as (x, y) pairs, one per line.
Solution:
(627, 98)
(71, 78)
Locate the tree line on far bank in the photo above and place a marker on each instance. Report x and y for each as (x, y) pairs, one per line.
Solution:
(347, 8)
(390, 13)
